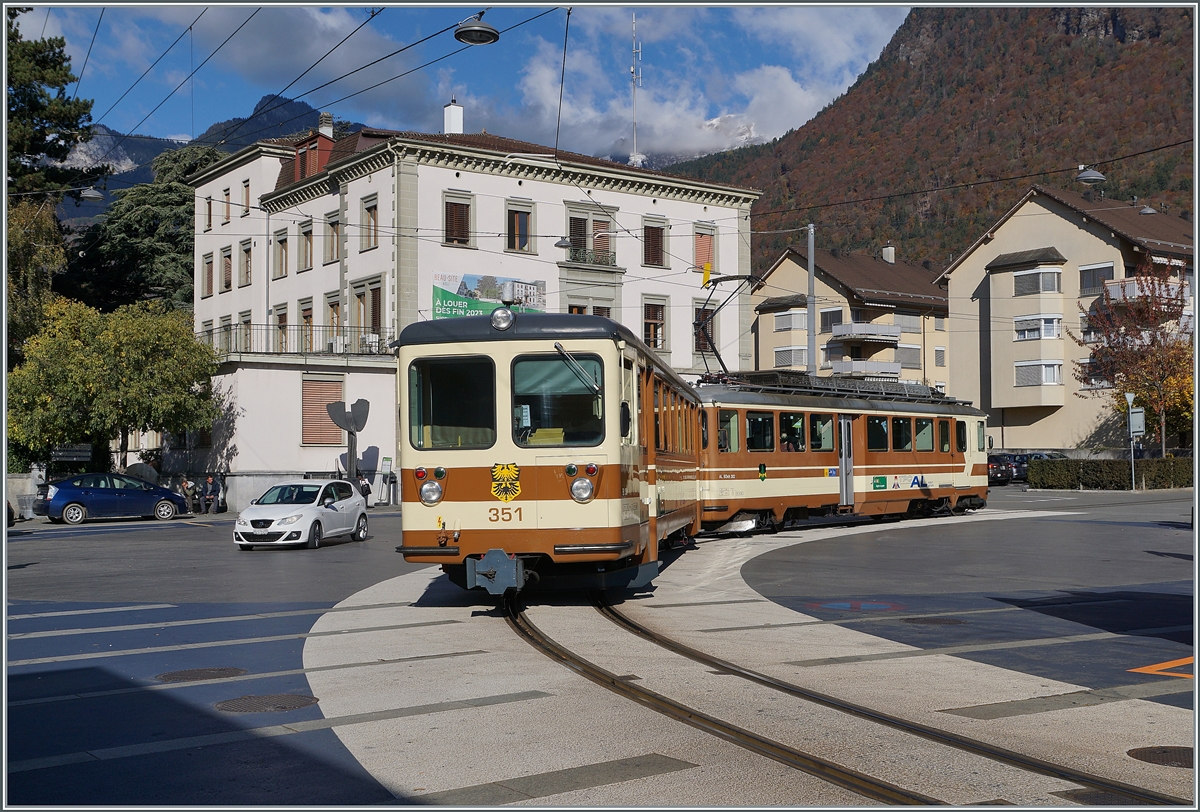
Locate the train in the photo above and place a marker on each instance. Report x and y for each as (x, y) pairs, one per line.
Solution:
(558, 451)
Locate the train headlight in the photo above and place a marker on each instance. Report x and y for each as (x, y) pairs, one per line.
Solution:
(430, 493)
(582, 490)
(502, 318)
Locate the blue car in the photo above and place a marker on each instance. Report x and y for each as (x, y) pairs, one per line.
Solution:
(105, 496)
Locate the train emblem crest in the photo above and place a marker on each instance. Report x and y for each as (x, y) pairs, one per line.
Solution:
(506, 481)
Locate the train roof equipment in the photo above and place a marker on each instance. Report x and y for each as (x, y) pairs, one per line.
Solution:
(788, 382)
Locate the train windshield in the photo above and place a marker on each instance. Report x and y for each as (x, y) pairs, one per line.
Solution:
(552, 406)
(452, 403)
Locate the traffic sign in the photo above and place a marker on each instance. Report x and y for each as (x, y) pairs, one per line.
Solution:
(1137, 422)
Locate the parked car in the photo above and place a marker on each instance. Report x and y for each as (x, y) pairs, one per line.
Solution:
(1048, 455)
(1020, 464)
(1000, 469)
(105, 496)
(12, 515)
(302, 511)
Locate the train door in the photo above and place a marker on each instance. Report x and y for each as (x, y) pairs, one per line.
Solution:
(845, 461)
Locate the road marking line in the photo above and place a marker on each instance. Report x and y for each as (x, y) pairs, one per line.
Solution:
(1074, 699)
(95, 611)
(1159, 669)
(97, 655)
(229, 737)
(894, 655)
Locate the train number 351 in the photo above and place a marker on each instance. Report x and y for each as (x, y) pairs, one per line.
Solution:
(504, 514)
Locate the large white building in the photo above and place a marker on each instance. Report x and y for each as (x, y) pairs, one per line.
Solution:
(313, 253)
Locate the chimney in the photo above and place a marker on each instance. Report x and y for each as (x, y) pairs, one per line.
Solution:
(889, 254)
(453, 115)
(927, 264)
(325, 124)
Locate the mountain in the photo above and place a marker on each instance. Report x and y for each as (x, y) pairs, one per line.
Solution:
(980, 103)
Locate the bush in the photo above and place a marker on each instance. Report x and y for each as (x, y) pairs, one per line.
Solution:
(1109, 475)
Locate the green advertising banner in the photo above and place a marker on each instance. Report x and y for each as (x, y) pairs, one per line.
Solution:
(476, 295)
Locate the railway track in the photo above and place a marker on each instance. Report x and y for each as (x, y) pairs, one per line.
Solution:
(845, 777)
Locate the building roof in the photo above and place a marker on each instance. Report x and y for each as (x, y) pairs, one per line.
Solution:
(1160, 233)
(1027, 259)
(869, 278)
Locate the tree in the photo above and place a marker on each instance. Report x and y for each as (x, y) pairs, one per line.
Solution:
(43, 122)
(35, 255)
(92, 376)
(1143, 345)
(143, 247)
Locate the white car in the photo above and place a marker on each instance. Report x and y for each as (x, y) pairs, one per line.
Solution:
(303, 511)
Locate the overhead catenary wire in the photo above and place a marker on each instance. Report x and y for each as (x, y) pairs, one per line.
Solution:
(83, 70)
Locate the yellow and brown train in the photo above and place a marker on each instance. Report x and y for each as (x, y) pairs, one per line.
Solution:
(560, 450)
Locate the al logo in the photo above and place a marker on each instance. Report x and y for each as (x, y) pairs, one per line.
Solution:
(506, 481)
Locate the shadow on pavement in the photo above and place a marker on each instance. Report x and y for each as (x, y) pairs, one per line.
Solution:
(1147, 614)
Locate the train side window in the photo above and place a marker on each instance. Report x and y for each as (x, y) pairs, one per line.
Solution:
(554, 404)
(704, 428)
(901, 434)
(924, 430)
(760, 431)
(727, 431)
(944, 436)
(980, 436)
(961, 436)
(820, 434)
(877, 433)
(439, 413)
(791, 431)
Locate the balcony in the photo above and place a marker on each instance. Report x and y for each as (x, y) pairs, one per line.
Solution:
(1122, 290)
(300, 339)
(586, 256)
(858, 369)
(865, 331)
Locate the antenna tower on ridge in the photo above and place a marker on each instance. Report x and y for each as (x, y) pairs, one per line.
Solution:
(635, 75)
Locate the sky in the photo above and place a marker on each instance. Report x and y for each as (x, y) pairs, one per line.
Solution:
(709, 75)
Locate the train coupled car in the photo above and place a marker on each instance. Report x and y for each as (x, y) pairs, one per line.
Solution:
(525, 462)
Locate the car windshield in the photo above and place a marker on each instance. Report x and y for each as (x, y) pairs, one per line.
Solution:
(290, 495)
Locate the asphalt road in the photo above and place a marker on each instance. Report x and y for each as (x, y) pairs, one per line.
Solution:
(101, 617)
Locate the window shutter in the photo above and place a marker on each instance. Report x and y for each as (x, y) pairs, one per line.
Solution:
(653, 246)
(317, 428)
(208, 276)
(704, 250)
(702, 316)
(908, 322)
(600, 243)
(458, 223)
(600, 310)
(939, 357)
(376, 298)
(578, 228)
(1029, 375)
(1027, 284)
(226, 272)
(909, 357)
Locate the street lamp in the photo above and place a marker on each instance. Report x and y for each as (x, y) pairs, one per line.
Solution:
(91, 194)
(1089, 176)
(474, 31)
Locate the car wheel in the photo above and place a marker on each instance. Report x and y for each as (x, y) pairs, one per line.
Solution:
(164, 510)
(74, 513)
(245, 547)
(314, 536)
(360, 530)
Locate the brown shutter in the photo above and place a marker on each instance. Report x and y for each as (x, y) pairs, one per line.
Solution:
(458, 223)
(653, 252)
(578, 233)
(208, 276)
(704, 250)
(376, 303)
(599, 243)
(317, 428)
(227, 271)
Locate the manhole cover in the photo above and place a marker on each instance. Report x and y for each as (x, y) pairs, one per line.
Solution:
(1164, 756)
(193, 674)
(266, 704)
(933, 621)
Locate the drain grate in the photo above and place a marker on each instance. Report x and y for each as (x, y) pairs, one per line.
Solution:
(1164, 756)
(194, 674)
(266, 704)
(933, 621)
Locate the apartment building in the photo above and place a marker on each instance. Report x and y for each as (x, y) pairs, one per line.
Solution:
(875, 317)
(1029, 278)
(312, 253)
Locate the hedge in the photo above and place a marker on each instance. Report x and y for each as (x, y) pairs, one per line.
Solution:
(1110, 475)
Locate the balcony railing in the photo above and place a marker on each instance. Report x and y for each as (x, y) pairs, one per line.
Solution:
(301, 339)
(865, 331)
(1132, 287)
(856, 368)
(589, 257)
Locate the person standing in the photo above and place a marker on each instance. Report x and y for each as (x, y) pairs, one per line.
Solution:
(211, 495)
(364, 487)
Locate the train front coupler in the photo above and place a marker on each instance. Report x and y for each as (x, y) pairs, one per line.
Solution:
(498, 572)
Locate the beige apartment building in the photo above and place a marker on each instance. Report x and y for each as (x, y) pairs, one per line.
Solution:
(1015, 293)
(876, 318)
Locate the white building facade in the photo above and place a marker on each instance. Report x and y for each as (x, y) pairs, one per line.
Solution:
(312, 254)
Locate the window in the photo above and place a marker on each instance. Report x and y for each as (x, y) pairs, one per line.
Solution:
(960, 437)
(589, 233)
(1094, 378)
(333, 312)
(727, 431)
(208, 213)
(944, 436)
(601, 310)
(939, 323)
(654, 245)
(908, 356)
(370, 224)
(520, 227)
(1038, 373)
(704, 248)
(333, 238)
(791, 320)
(1026, 283)
(877, 433)
(225, 333)
(1036, 327)
(1087, 333)
(902, 439)
(791, 357)
(306, 325)
(245, 197)
(980, 436)
(555, 403)
(577, 310)
(1093, 277)
(316, 427)
(244, 258)
(243, 332)
(760, 431)
(457, 225)
(226, 269)
(820, 434)
(368, 306)
(280, 341)
(654, 324)
(791, 431)
(908, 322)
(306, 246)
(226, 194)
(207, 275)
(829, 318)
(704, 334)
(924, 432)
(939, 356)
